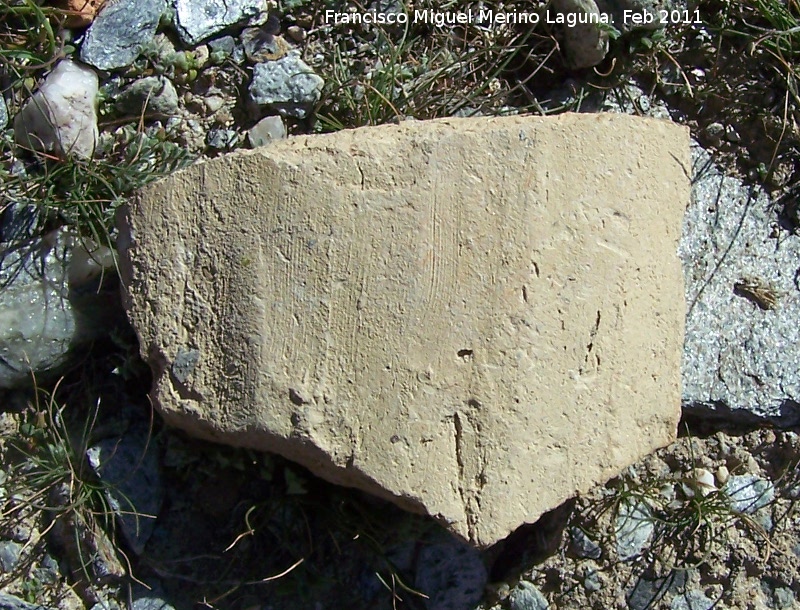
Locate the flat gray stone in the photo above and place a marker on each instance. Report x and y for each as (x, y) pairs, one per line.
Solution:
(474, 318)
(287, 85)
(740, 356)
(199, 19)
(151, 96)
(117, 35)
(526, 596)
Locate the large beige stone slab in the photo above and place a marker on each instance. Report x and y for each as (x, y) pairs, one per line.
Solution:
(476, 318)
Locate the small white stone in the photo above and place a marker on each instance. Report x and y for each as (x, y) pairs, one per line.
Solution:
(722, 475)
(62, 116)
(703, 481)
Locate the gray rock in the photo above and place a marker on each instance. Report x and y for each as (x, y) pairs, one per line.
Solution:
(129, 468)
(451, 574)
(648, 9)
(784, 598)
(151, 603)
(692, 600)
(633, 528)
(50, 299)
(3, 113)
(116, 36)
(61, 117)
(199, 19)
(592, 582)
(527, 597)
(221, 48)
(9, 555)
(152, 95)
(740, 359)
(48, 571)
(748, 493)
(266, 130)
(647, 592)
(582, 546)
(38, 322)
(9, 602)
(222, 139)
(585, 44)
(288, 85)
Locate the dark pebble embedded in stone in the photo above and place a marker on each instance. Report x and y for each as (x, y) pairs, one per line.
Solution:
(119, 32)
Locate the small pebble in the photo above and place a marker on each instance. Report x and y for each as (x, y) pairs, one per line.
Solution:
(296, 33)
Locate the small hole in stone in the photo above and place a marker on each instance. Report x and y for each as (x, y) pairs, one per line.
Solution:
(296, 398)
(466, 354)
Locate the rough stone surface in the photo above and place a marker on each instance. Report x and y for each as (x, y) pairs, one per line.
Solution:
(152, 95)
(267, 130)
(61, 117)
(128, 467)
(3, 113)
(585, 44)
(740, 360)
(49, 297)
(527, 597)
(118, 33)
(199, 19)
(288, 85)
(472, 317)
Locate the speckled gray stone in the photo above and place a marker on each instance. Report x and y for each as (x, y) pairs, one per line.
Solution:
(693, 600)
(740, 361)
(748, 493)
(451, 574)
(633, 527)
(287, 85)
(199, 19)
(527, 597)
(116, 37)
(152, 95)
(3, 113)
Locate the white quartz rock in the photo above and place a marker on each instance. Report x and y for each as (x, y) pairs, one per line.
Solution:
(61, 117)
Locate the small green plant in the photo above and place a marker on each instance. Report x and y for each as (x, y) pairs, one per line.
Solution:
(685, 517)
(85, 194)
(53, 484)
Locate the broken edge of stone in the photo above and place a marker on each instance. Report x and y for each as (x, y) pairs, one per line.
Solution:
(224, 287)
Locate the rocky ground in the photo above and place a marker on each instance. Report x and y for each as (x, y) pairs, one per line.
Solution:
(710, 521)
